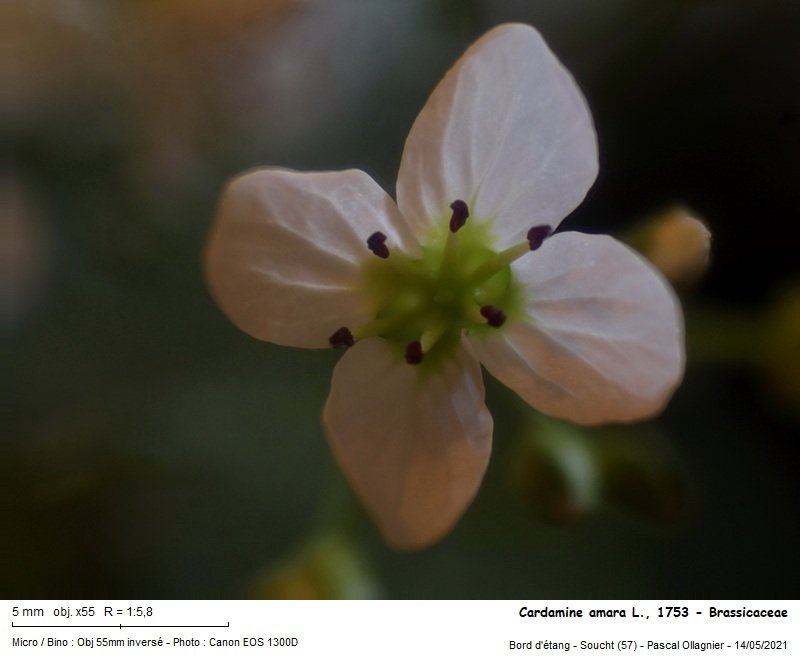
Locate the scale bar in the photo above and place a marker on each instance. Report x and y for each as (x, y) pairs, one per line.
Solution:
(120, 625)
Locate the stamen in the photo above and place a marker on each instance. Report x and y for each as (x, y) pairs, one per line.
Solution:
(342, 338)
(499, 261)
(457, 221)
(387, 325)
(377, 245)
(537, 234)
(414, 352)
(494, 316)
(431, 335)
(460, 215)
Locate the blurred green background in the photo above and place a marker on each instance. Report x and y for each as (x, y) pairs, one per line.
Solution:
(152, 450)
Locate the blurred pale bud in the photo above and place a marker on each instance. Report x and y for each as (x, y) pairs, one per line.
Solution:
(25, 253)
(781, 345)
(327, 567)
(677, 243)
(56, 57)
(555, 470)
(215, 19)
(642, 473)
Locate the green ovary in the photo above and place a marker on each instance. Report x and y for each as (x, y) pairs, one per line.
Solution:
(437, 297)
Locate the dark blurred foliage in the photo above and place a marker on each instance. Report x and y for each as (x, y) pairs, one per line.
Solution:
(152, 450)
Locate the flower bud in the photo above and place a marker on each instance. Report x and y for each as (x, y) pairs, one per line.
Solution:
(677, 243)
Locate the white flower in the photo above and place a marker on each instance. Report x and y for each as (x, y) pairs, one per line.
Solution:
(581, 328)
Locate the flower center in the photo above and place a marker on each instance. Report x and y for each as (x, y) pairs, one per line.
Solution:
(459, 285)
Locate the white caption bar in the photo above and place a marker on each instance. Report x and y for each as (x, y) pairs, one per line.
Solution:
(399, 629)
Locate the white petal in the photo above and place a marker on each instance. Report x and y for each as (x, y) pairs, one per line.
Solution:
(283, 256)
(414, 449)
(604, 337)
(508, 132)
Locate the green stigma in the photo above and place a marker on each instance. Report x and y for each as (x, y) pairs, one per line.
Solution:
(458, 286)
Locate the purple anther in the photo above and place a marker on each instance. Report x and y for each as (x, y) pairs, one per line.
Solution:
(414, 352)
(537, 234)
(342, 338)
(494, 316)
(377, 245)
(460, 215)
